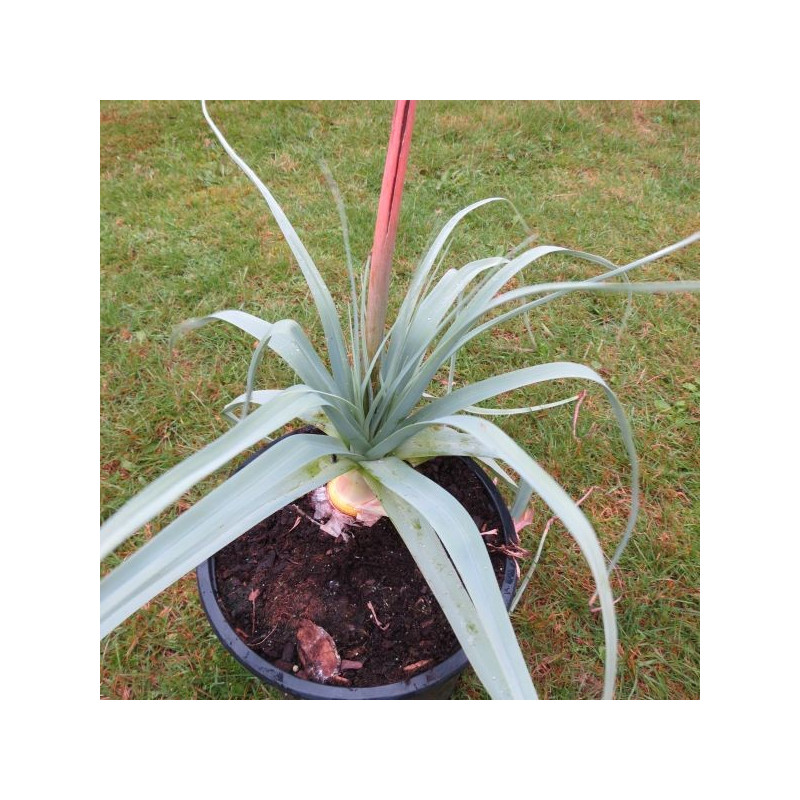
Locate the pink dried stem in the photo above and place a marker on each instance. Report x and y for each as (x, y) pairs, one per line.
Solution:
(581, 398)
(386, 224)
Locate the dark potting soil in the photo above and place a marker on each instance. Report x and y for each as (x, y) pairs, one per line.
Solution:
(367, 592)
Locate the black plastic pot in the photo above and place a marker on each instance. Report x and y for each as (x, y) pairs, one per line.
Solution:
(436, 683)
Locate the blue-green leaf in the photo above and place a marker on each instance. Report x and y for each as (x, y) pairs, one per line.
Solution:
(274, 414)
(319, 290)
(491, 633)
(493, 442)
(289, 469)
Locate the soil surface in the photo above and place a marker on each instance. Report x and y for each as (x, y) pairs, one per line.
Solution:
(366, 593)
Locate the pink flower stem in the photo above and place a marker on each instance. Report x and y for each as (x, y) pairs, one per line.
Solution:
(386, 223)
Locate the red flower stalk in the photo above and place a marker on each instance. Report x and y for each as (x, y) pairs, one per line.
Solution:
(386, 224)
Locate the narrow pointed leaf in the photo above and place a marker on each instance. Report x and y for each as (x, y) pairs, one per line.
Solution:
(466, 329)
(319, 290)
(288, 470)
(285, 337)
(466, 549)
(437, 569)
(495, 443)
(483, 390)
(274, 414)
(412, 296)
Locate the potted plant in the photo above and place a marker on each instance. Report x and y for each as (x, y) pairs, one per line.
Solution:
(371, 401)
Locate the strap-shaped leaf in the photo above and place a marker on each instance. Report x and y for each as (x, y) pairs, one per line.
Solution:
(438, 440)
(516, 265)
(471, 310)
(355, 319)
(613, 272)
(560, 289)
(521, 499)
(445, 583)
(346, 413)
(494, 467)
(249, 323)
(493, 442)
(607, 276)
(510, 412)
(289, 469)
(466, 549)
(425, 324)
(441, 298)
(465, 329)
(261, 396)
(337, 351)
(418, 282)
(482, 390)
(342, 412)
(285, 337)
(274, 414)
(408, 383)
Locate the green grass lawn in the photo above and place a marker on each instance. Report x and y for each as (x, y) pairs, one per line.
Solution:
(183, 234)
